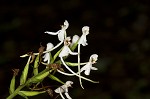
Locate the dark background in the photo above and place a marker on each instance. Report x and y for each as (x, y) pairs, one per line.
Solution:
(119, 34)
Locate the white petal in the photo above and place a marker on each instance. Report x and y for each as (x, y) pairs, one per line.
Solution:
(64, 88)
(75, 38)
(46, 58)
(61, 89)
(85, 67)
(57, 90)
(87, 71)
(85, 30)
(49, 46)
(94, 68)
(93, 58)
(61, 35)
(64, 52)
(52, 33)
(83, 40)
(66, 24)
(68, 83)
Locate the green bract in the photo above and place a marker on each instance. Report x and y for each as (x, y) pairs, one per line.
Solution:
(12, 85)
(25, 72)
(36, 64)
(55, 78)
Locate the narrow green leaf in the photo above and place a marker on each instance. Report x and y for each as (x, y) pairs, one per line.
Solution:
(55, 78)
(12, 85)
(31, 93)
(25, 72)
(40, 77)
(36, 64)
(23, 95)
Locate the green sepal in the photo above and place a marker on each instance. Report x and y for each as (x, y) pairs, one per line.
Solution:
(12, 85)
(31, 93)
(36, 64)
(25, 72)
(55, 78)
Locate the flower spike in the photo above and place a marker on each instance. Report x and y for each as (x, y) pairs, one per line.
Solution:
(53, 65)
(85, 31)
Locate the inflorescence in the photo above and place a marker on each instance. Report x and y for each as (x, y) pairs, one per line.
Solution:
(54, 64)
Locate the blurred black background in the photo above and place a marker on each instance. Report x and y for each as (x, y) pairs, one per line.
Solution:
(119, 34)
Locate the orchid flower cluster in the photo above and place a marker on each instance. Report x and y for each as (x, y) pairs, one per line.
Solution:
(54, 64)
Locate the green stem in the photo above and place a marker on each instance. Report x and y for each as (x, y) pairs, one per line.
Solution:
(17, 90)
(25, 84)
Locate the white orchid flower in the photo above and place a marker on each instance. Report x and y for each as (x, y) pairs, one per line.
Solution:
(66, 50)
(85, 31)
(64, 89)
(61, 33)
(47, 55)
(88, 67)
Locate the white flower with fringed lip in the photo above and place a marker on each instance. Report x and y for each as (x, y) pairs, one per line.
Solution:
(64, 89)
(47, 55)
(88, 67)
(61, 33)
(66, 50)
(85, 31)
